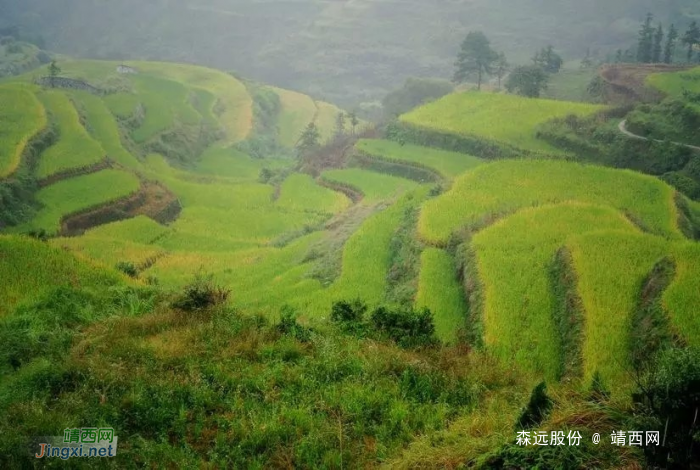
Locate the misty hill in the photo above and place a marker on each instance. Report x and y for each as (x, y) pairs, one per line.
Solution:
(342, 51)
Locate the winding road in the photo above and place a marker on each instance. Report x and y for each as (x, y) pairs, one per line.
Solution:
(623, 128)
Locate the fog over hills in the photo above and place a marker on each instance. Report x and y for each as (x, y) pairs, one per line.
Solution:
(345, 51)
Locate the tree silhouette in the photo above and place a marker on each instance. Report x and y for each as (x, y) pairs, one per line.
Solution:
(475, 58)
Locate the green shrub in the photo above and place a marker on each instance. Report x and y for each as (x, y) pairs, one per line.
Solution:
(684, 184)
(406, 326)
(693, 168)
(288, 325)
(348, 312)
(201, 294)
(537, 408)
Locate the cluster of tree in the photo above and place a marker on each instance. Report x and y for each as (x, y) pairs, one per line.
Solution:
(310, 139)
(548, 60)
(340, 122)
(477, 59)
(655, 45)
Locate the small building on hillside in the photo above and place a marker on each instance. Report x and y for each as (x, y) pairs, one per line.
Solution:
(126, 69)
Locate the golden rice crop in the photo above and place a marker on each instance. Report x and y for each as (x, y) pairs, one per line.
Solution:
(495, 189)
(514, 257)
(510, 119)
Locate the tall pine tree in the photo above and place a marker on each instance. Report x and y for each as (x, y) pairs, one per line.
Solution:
(475, 58)
(646, 40)
(658, 44)
(691, 38)
(670, 46)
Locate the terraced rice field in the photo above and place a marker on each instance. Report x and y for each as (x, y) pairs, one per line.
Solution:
(242, 224)
(122, 105)
(234, 165)
(503, 187)
(514, 257)
(374, 186)
(234, 106)
(262, 241)
(674, 83)
(297, 112)
(75, 147)
(165, 103)
(110, 252)
(76, 194)
(508, 119)
(104, 129)
(682, 297)
(139, 229)
(30, 268)
(22, 116)
(301, 193)
(447, 164)
(611, 295)
(366, 258)
(439, 291)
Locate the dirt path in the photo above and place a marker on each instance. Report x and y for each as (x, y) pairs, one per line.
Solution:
(623, 128)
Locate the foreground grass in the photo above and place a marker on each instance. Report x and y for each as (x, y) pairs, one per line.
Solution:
(83, 192)
(75, 147)
(503, 187)
(224, 389)
(508, 119)
(21, 116)
(448, 164)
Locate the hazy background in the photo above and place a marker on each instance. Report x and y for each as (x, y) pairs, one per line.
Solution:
(345, 51)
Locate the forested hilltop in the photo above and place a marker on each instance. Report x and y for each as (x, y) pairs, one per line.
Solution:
(341, 51)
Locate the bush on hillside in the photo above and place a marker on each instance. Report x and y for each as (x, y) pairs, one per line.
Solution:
(201, 294)
(289, 325)
(684, 184)
(406, 326)
(349, 315)
(692, 169)
(348, 312)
